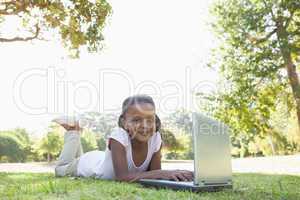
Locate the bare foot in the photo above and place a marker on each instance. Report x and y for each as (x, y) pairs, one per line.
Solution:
(69, 123)
(72, 128)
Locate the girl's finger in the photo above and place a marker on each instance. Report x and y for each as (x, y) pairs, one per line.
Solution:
(173, 177)
(187, 176)
(189, 173)
(181, 177)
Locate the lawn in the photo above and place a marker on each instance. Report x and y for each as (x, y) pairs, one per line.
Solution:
(27, 186)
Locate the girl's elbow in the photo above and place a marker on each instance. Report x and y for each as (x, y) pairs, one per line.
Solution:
(122, 178)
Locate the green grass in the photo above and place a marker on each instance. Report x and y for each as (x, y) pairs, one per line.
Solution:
(27, 186)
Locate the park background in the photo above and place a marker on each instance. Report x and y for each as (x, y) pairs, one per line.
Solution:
(233, 60)
(189, 57)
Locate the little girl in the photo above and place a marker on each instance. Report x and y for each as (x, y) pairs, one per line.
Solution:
(133, 150)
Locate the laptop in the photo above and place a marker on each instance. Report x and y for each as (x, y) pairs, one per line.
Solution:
(212, 158)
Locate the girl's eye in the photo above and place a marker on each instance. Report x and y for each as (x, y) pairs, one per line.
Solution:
(137, 120)
(150, 121)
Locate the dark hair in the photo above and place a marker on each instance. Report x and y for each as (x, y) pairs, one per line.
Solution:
(134, 100)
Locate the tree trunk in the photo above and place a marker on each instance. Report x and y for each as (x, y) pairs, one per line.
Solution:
(290, 67)
(272, 145)
(48, 157)
(294, 81)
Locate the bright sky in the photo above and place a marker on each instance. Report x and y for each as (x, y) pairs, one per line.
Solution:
(154, 47)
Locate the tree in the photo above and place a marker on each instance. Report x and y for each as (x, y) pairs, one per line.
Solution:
(11, 148)
(52, 143)
(181, 120)
(88, 141)
(15, 145)
(77, 22)
(102, 124)
(179, 123)
(22, 135)
(258, 59)
(169, 141)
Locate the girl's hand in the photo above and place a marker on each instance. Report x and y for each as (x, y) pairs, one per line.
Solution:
(177, 175)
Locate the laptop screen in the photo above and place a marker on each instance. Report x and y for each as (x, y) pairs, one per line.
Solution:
(212, 157)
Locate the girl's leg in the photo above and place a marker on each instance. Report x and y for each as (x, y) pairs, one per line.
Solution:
(69, 157)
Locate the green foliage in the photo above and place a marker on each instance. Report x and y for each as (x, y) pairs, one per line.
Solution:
(169, 140)
(11, 149)
(88, 141)
(180, 120)
(101, 144)
(251, 61)
(293, 136)
(176, 147)
(179, 124)
(103, 124)
(187, 152)
(77, 22)
(51, 144)
(15, 145)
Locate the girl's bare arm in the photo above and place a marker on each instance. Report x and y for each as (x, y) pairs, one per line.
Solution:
(121, 167)
(155, 163)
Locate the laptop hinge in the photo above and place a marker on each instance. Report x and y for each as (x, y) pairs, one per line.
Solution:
(205, 183)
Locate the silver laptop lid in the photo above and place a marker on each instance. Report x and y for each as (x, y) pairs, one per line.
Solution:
(212, 156)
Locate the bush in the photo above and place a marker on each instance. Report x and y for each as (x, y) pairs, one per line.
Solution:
(11, 149)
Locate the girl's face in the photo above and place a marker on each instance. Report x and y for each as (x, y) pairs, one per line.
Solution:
(139, 121)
